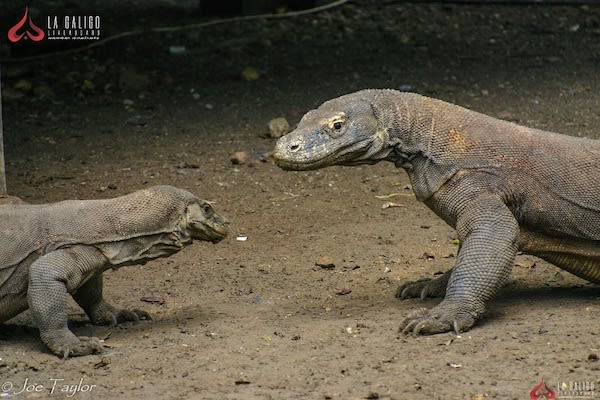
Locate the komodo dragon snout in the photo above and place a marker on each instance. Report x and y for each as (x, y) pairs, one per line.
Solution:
(204, 223)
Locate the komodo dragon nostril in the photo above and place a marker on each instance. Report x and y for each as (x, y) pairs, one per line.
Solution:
(294, 147)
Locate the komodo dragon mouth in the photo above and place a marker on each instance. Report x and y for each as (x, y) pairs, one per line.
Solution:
(293, 154)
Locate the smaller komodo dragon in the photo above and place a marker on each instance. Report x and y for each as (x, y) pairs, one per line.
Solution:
(49, 250)
(504, 188)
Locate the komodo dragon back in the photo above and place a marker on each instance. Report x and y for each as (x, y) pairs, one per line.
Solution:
(46, 227)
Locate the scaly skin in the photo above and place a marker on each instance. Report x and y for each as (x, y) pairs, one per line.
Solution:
(502, 186)
(51, 250)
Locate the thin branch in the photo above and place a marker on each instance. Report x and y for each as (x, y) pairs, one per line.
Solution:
(200, 25)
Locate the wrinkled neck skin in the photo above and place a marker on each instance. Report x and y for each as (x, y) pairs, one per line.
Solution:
(379, 147)
(410, 123)
(394, 140)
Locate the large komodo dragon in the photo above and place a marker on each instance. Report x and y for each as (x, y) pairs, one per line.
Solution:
(503, 187)
(49, 250)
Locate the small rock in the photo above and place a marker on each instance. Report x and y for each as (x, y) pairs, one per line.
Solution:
(239, 158)
(23, 85)
(138, 120)
(343, 291)
(104, 362)
(176, 50)
(325, 263)
(278, 127)
(88, 86)
(250, 74)
(593, 357)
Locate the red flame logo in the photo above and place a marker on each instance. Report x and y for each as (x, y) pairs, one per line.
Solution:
(542, 392)
(36, 35)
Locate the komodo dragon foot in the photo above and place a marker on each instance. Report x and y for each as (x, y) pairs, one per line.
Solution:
(445, 317)
(105, 314)
(65, 344)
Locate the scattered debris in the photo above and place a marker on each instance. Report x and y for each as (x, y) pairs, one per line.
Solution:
(389, 204)
(177, 50)
(250, 74)
(278, 127)
(325, 262)
(241, 238)
(104, 362)
(23, 85)
(239, 157)
(343, 291)
(160, 300)
(389, 196)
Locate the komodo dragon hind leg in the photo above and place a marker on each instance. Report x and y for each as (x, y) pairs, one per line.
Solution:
(89, 297)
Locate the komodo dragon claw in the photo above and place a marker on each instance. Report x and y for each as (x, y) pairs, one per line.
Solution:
(436, 320)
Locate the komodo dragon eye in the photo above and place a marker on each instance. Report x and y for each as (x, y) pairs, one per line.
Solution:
(208, 210)
(337, 125)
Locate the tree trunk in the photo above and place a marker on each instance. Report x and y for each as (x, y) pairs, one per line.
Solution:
(3, 192)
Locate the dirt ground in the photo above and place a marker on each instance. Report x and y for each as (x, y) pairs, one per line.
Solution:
(257, 319)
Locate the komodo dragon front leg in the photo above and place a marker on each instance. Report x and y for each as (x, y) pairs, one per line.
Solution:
(488, 232)
(77, 271)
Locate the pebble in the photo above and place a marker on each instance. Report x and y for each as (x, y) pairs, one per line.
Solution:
(23, 85)
(250, 74)
(325, 262)
(239, 158)
(278, 127)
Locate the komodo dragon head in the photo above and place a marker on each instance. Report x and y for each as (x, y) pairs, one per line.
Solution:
(342, 131)
(203, 223)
